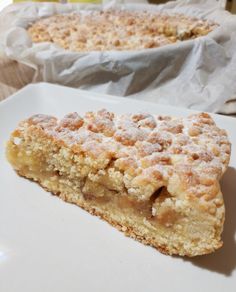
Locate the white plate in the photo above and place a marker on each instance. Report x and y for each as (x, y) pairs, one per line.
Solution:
(48, 245)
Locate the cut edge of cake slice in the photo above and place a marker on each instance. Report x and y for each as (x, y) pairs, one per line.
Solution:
(156, 178)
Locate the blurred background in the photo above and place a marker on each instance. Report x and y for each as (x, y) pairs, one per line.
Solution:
(230, 4)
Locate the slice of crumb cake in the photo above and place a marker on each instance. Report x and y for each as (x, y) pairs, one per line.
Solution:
(156, 178)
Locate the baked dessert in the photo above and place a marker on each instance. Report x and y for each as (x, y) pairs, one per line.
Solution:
(156, 178)
(117, 30)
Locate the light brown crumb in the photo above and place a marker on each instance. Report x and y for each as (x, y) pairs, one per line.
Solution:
(117, 30)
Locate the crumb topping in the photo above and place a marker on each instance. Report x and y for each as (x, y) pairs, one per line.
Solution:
(117, 30)
(184, 154)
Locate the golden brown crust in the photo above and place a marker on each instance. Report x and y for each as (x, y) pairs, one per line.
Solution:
(117, 30)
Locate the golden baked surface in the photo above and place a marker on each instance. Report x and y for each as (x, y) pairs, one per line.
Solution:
(117, 30)
(154, 177)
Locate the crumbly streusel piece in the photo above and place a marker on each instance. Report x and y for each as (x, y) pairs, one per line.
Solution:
(117, 30)
(154, 177)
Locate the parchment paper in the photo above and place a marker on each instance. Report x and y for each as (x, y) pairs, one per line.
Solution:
(198, 74)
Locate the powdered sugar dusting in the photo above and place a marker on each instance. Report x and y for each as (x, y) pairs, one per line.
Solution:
(145, 147)
(117, 30)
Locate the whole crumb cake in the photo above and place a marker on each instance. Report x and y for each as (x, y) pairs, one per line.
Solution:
(117, 30)
(156, 178)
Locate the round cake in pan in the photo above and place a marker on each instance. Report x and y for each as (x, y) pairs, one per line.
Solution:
(117, 30)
